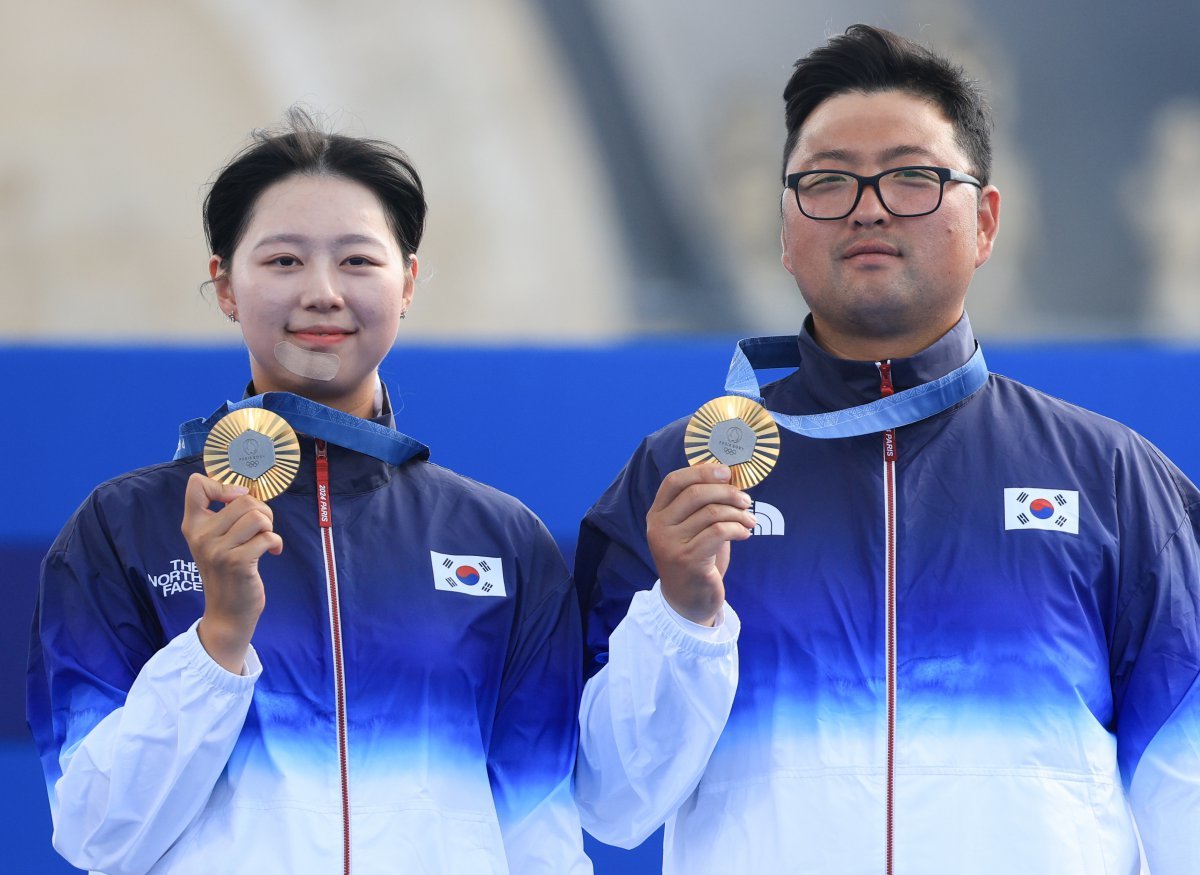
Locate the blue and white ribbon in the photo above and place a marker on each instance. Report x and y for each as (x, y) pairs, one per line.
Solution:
(311, 418)
(893, 411)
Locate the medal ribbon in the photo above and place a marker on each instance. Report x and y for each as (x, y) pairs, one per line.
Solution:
(317, 420)
(902, 408)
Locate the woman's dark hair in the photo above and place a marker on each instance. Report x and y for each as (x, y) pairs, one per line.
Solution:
(870, 59)
(302, 148)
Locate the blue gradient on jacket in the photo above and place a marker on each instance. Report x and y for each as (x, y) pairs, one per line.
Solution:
(1033, 666)
(454, 703)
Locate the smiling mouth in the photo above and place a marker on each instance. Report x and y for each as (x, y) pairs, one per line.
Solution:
(321, 336)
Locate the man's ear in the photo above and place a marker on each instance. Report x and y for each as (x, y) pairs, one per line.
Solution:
(987, 224)
(785, 256)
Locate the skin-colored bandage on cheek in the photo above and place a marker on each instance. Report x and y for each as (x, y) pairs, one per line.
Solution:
(306, 363)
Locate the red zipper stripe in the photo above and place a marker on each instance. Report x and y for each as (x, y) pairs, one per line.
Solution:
(325, 522)
(889, 479)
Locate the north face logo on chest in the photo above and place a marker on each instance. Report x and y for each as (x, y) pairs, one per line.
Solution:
(768, 519)
(1037, 507)
(181, 576)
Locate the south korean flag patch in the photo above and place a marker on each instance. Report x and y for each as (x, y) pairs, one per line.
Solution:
(1035, 507)
(469, 575)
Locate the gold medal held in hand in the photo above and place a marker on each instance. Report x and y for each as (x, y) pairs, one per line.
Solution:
(737, 432)
(254, 448)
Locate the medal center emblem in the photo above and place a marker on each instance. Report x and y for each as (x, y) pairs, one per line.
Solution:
(732, 442)
(251, 453)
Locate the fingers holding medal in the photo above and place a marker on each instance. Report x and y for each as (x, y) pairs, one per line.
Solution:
(252, 451)
(737, 432)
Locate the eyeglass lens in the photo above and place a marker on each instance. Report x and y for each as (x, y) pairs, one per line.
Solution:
(908, 192)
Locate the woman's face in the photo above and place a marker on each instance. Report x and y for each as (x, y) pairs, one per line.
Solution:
(318, 283)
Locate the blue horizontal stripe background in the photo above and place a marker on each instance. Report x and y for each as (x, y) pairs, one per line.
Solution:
(549, 425)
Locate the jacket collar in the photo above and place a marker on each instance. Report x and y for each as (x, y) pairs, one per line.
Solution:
(824, 383)
(385, 418)
(350, 472)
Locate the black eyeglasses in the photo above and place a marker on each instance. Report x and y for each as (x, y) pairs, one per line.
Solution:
(904, 191)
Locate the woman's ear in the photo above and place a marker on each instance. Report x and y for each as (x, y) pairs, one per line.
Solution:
(220, 281)
(410, 281)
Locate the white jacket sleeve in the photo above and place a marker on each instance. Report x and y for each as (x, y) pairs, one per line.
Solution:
(651, 717)
(134, 782)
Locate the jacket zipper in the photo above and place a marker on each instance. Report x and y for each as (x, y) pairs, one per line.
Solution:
(889, 485)
(325, 522)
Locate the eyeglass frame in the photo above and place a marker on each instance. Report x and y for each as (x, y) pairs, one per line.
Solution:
(944, 175)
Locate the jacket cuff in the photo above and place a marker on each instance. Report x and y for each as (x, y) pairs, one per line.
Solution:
(658, 621)
(196, 658)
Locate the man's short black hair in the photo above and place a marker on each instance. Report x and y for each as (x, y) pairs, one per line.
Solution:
(869, 59)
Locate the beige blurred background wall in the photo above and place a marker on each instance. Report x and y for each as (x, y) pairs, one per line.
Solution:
(122, 110)
(118, 113)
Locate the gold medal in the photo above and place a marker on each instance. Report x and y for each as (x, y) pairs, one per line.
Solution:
(737, 432)
(254, 448)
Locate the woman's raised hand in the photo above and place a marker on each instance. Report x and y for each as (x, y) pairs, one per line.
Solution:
(226, 545)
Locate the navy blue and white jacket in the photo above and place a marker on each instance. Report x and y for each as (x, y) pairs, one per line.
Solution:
(978, 653)
(409, 702)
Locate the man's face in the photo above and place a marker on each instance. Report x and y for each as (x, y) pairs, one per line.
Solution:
(880, 286)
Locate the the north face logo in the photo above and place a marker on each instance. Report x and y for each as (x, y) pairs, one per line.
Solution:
(768, 519)
(183, 576)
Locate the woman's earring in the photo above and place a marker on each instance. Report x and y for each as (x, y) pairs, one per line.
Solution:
(232, 317)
